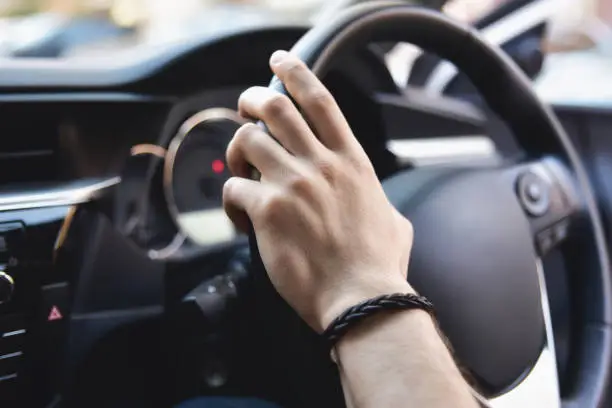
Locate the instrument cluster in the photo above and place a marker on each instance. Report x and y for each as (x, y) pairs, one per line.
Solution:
(182, 200)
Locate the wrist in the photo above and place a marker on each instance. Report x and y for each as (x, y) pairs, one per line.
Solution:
(415, 324)
(357, 293)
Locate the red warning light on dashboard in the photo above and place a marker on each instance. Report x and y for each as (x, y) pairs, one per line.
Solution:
(55, 314)
(218, 166)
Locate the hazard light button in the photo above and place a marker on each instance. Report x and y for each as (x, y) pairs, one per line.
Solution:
(54, 303)
(51, 336)
(55, 314)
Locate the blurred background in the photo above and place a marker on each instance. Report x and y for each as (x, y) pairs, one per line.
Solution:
(64, 28)
(579, 32)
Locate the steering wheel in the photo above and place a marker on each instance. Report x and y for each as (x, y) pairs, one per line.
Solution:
(480, 234)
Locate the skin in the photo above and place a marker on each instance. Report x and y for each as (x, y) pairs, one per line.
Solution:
(605, 11)
(329, 239)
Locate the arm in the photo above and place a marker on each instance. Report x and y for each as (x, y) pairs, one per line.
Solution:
(397, 358)
(329, 239)
(405, 364)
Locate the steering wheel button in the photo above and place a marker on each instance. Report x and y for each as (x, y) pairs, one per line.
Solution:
(560, 231)
(534, 194)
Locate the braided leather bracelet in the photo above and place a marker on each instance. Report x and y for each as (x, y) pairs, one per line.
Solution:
(353, 315)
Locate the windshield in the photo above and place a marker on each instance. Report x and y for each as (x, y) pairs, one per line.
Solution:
(83, 28)
(80, 28)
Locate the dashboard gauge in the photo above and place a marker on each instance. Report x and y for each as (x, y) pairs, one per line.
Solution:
(194, 173)
(140, 211)
(131, 198)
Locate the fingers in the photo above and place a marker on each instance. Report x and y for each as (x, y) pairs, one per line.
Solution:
(281, 117)
(240, 196)
(280, 160)
(251, 146)
(316, 102)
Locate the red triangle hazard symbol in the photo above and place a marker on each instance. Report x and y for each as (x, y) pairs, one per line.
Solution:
(55, 314)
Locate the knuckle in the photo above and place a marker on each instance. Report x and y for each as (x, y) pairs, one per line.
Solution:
(243, 135)
(360, 163)
(249, 95)
(230, 152)
(319, 98)
(409, 228)
(406, 227)
(275, 105)
(229, 189)
(244, 140)
(300, 185)
(243, 96)
(245, 101)
(233, 157)
(295, 70)
(273, 207)
(328, 168)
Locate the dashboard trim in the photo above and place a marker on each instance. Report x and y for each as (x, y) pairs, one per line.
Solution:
(58, 196)
(84, 96)
(8, 377)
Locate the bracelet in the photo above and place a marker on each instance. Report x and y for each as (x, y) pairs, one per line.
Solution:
(353, 315)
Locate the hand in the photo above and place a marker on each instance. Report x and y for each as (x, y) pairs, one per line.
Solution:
(327, 234)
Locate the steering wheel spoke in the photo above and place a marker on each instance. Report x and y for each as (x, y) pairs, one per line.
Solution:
(548, 195)
(540, 386)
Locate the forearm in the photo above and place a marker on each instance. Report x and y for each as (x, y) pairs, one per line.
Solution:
(397, 359)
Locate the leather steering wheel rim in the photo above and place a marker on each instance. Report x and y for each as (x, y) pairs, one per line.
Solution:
(537, 129)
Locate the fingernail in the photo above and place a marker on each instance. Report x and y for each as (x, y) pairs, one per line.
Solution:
(278, 57)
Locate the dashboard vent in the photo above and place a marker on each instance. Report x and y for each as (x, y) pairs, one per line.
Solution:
(28, 145)
(28, 165)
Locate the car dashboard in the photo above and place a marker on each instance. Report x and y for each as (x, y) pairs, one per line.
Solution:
(71, 135)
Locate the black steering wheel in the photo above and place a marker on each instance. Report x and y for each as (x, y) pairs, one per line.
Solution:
(480, 234)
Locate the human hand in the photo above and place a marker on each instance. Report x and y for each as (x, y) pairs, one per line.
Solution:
(327, 234)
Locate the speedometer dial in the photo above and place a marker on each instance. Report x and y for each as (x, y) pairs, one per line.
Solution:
(194, 174)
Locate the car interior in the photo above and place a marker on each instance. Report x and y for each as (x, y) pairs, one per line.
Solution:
(123, 283)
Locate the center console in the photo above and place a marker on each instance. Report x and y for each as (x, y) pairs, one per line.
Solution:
(34, 291)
